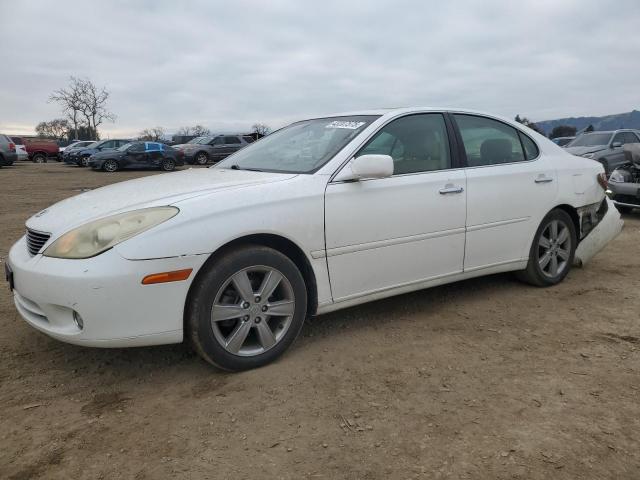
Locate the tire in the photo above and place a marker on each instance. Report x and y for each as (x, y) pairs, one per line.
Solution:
(168, 165)
(561, 252)
(84, 161)
(624, 209)
(201, 158)
(110, 166)
(221, 342)
(39, 158)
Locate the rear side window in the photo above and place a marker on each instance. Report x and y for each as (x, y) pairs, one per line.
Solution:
(625, 137)
(231, 140)
(488, 141)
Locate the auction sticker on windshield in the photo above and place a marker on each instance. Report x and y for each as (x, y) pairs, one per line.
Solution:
(347, 125)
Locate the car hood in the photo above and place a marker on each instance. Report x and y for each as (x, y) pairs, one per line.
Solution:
(584, 150)
(153, 191)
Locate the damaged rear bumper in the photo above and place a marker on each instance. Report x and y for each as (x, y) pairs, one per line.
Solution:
(599, 225)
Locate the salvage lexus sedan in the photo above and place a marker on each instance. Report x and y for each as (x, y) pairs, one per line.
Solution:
(321, 215)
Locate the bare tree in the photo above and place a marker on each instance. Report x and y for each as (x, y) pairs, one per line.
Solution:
(93, 100)
(70, 98)
(200, 131)
(260, 129)
(152, 134)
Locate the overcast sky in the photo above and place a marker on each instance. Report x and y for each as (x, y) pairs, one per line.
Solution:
(230, 64)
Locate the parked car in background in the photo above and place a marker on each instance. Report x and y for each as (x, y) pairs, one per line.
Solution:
(321, 215)
(138, 155)
(81, 157)
(7, 151)
(562, 141)
(214, 148)
(605, 147)
(21, 152)
(624, 182)
(181, 146)
(75, 147)
(39, 149)
(182, 139)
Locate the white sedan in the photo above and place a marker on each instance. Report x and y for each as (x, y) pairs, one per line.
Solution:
(321, 215)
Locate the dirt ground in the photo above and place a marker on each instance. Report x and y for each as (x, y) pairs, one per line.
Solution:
(486, 378)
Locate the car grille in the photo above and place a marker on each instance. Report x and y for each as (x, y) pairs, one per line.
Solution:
(36, 240)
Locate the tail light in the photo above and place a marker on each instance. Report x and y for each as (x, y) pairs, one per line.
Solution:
(602, 180)
(12, 147)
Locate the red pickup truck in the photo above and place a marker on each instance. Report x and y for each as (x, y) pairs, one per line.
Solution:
(38, 149)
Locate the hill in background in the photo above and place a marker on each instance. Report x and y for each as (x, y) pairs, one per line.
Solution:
(608, 122)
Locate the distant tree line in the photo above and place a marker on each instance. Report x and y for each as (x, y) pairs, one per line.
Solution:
(558, 131)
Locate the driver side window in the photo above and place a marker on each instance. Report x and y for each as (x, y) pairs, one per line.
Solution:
(417, 143)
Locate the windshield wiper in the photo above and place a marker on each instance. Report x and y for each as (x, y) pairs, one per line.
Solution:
(237, 167)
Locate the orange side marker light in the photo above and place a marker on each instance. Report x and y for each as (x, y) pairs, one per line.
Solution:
(165, 277)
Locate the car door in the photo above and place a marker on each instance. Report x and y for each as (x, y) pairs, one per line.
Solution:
(401, 230)
(510, 188)
(218, 149)
(231, 144)
(154, 154)
(136, 156)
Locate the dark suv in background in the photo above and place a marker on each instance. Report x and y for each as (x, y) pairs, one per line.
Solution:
(81, 157)
(214, 148)
(605, 147)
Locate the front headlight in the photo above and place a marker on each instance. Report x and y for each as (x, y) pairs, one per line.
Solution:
(616, 177)
(95, 237)
(589, 155)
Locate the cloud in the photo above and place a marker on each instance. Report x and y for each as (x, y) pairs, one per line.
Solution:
(228, 65)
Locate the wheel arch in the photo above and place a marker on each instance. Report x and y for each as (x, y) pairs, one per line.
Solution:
(279, 243)
(573, 213)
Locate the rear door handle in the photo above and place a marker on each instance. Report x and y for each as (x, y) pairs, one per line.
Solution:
(451, 189)
(543, 179)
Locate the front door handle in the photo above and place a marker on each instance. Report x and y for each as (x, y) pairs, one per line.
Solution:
(451, 189)
(543, 180)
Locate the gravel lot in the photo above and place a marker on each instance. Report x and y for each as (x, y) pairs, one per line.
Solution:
(486, 378)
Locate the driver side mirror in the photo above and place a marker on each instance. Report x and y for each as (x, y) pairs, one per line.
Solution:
(366, 166)
(616, 144)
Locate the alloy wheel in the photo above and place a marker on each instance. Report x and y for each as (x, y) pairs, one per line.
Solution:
(554, 248)
(252, 311)
(110, 166)
(202, 159)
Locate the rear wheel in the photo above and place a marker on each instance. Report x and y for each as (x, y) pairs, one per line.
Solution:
(202, 158)
(110, 166)
(84, 161)
(552, 251)
(246, 308)
(39, 158)
(168, 164)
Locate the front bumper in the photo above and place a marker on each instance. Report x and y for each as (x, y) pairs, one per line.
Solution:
(106, 291)
(625, 194)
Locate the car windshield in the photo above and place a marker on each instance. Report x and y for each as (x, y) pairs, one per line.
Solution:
(92, 145)
(195, 140)
(302, 147)
(591, 140)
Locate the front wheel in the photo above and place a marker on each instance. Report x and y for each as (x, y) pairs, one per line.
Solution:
(84, 161)
(552, 250)
(246, 308)
(202, 158)
(110, 166)
(39, 158)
